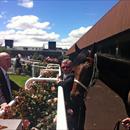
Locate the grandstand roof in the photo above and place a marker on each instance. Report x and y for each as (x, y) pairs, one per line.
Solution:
(116, 20)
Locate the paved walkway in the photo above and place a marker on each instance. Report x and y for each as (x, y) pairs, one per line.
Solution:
(104, 108)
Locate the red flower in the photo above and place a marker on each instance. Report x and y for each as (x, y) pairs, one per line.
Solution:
(26, 123)
(53, 88)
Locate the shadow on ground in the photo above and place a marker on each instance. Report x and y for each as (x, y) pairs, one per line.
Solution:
(104, 108)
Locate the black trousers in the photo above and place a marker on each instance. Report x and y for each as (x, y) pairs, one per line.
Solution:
(77, 120)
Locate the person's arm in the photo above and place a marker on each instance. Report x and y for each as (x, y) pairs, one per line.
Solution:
(3, 104)
(126, 123)
(59, 81)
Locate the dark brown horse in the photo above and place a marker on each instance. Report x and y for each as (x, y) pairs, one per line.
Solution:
(113, 71)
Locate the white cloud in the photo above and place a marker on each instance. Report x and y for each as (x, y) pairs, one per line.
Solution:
(26, 3)
(77, 33)
(25, 38)
(27, 22)
(73, 36)
(28, 31)
(30, 42)
(4, 1)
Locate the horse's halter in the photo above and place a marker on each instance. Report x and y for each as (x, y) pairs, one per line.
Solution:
(82, 85)
(93, 78)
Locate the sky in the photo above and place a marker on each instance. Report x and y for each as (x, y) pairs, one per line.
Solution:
(35, 22)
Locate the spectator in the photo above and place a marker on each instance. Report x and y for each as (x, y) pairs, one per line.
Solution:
(6, 85)
(66, 81)
(17, 65)
(75, 105)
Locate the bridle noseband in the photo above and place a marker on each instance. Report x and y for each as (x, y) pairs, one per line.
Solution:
(93, 77)
(82, 85)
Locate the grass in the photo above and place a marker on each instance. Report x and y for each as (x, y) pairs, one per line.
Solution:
(19, 79)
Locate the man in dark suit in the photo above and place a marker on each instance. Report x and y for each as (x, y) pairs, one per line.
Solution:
(66, 81)
(75, 106)
(6, 85)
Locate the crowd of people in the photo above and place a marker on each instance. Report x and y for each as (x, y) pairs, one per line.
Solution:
(75, 107)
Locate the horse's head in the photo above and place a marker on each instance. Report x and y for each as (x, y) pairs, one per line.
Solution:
(83, 69)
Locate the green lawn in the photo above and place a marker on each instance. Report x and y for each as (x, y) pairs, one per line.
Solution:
(19, 79)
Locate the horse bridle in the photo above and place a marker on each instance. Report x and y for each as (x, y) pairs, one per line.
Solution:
(92, 81)
(93, 78)
(82, 85)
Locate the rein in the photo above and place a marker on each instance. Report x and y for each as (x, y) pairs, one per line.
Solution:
(94, 75)
(82, 85)
(95, 72)
(117, 125)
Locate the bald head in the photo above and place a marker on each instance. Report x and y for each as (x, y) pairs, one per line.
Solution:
(5, 60)
(2, 54)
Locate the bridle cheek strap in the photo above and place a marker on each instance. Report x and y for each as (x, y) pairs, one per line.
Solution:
(82, 85)
(94, 74)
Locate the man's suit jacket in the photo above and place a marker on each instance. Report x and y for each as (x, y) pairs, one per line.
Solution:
(4, 88)
(67, 84)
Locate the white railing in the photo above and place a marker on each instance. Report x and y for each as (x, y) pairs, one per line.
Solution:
(61, 112)
(33, 79)
(53, 65)
(38, 66)
(53, 70)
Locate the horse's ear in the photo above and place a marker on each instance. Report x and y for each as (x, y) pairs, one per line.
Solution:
(77, 49)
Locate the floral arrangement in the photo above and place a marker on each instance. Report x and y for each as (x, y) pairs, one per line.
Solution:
(38, 106)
